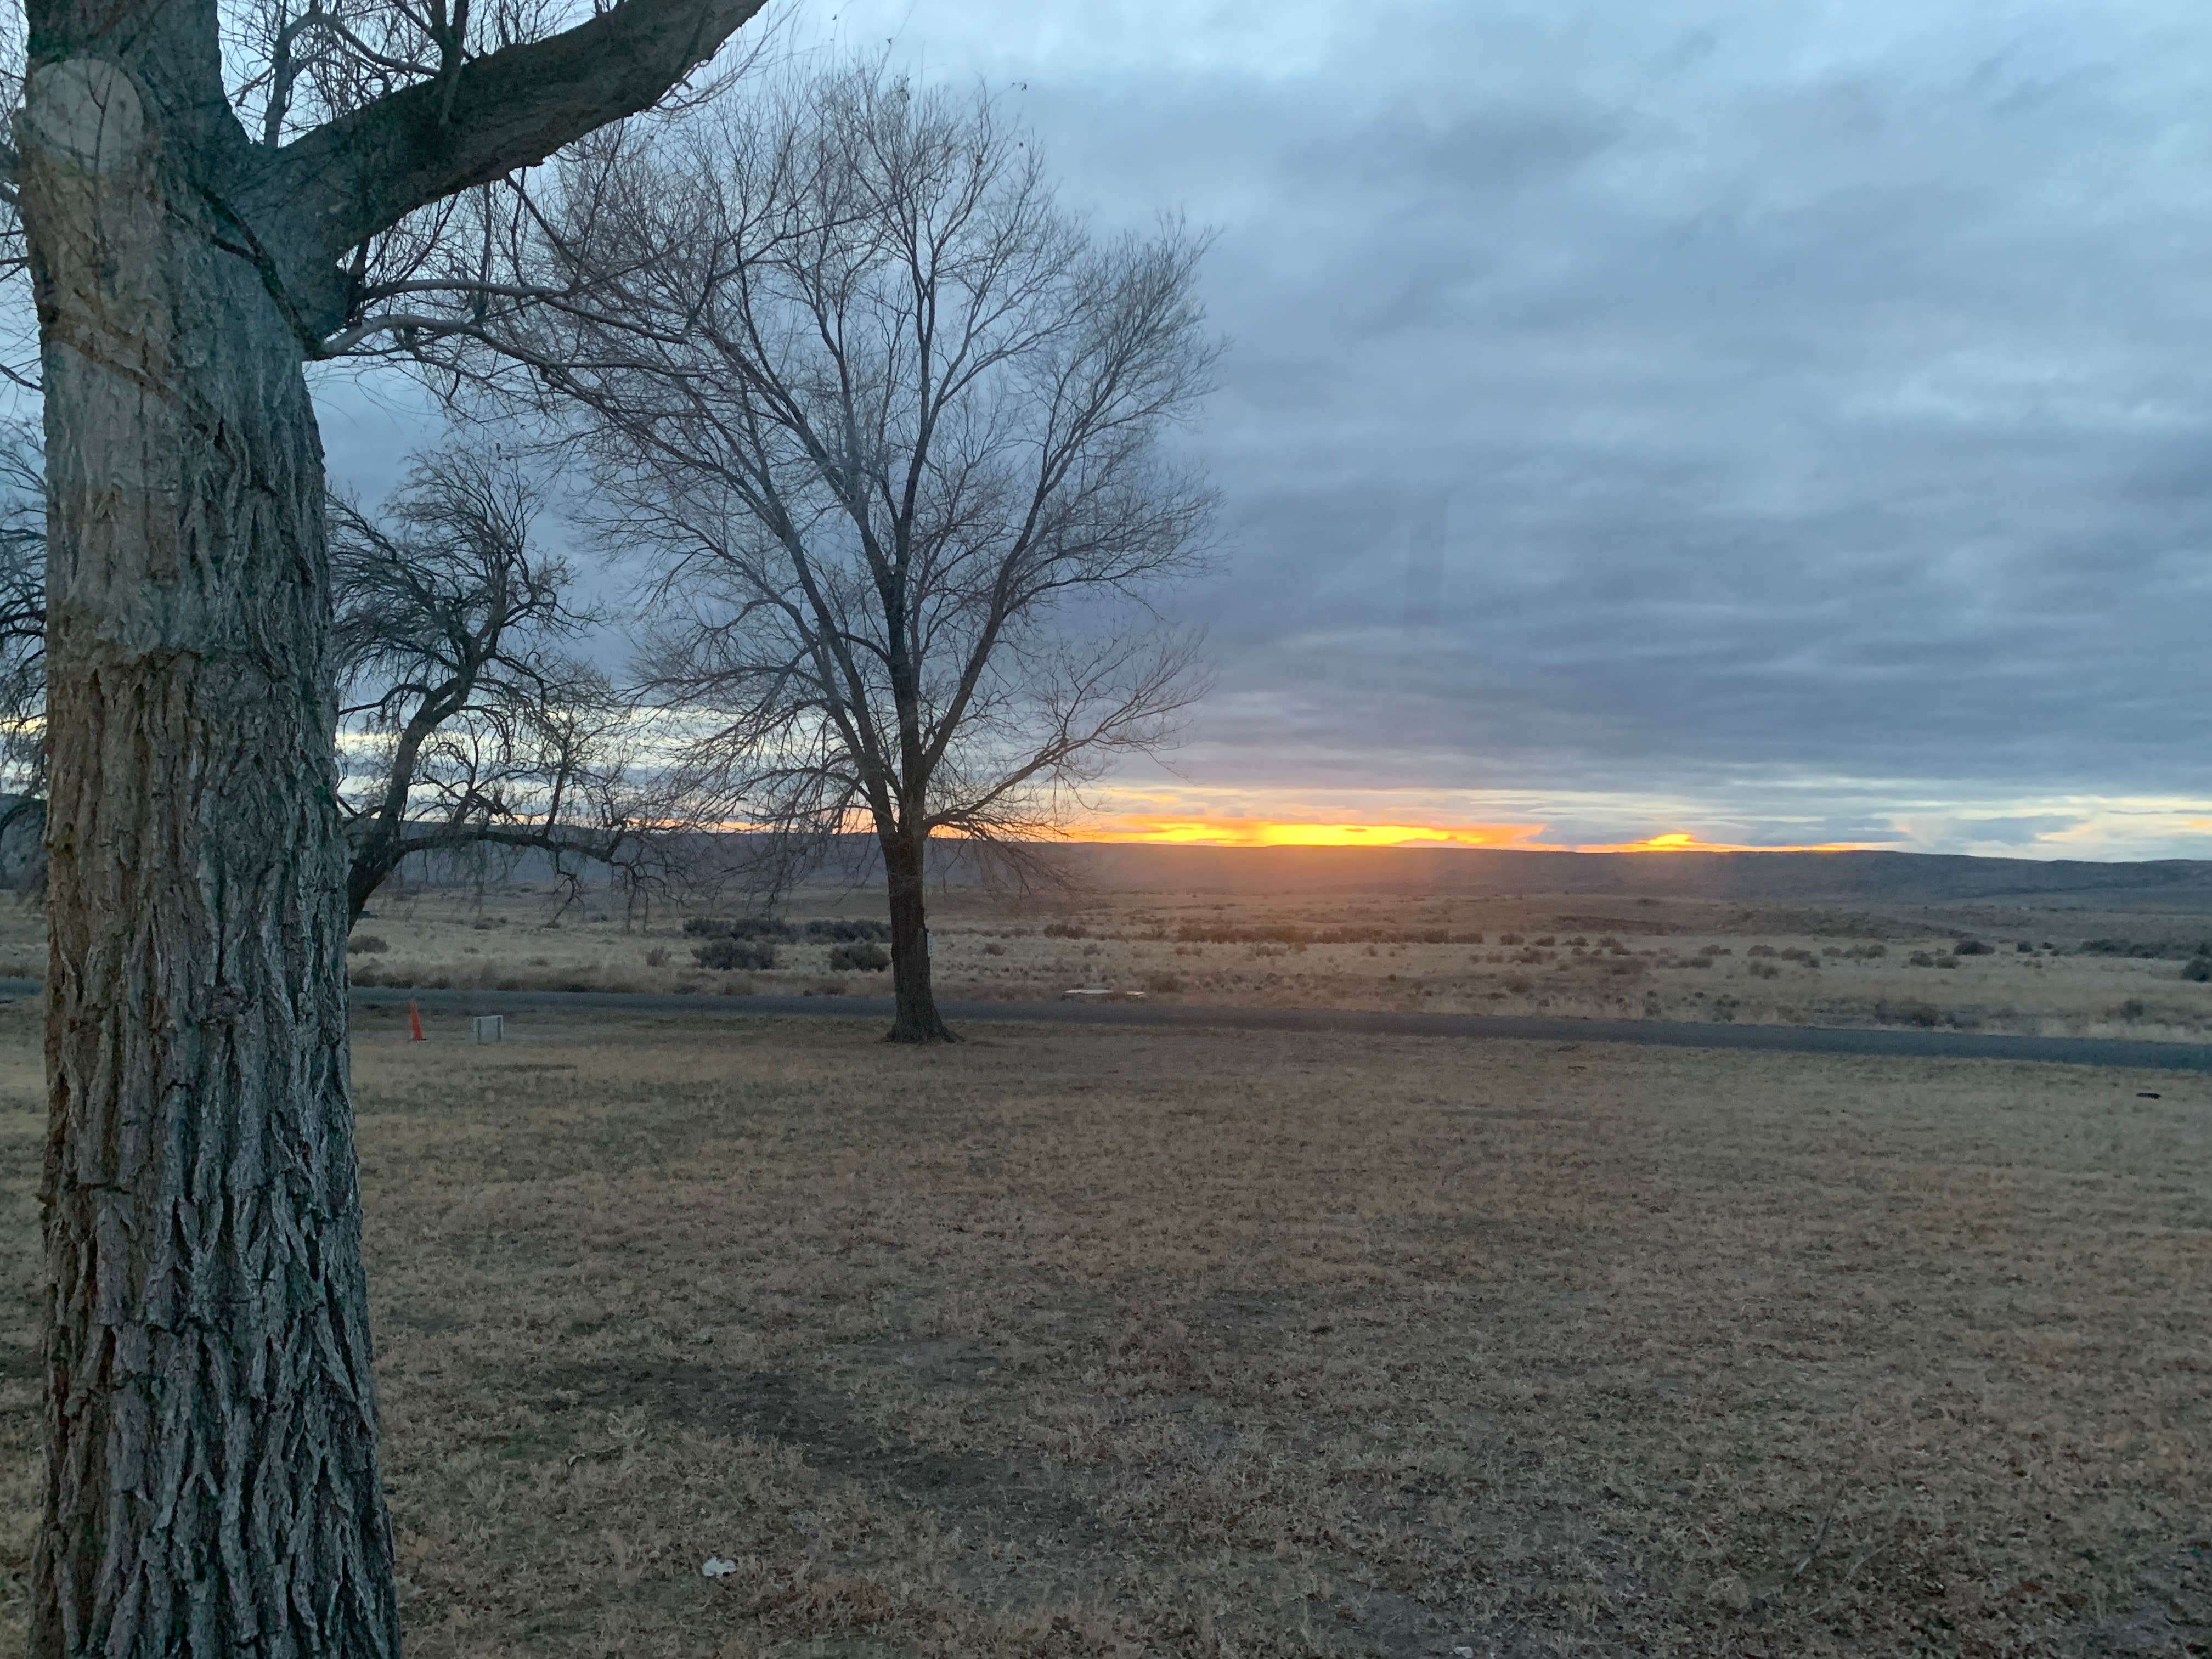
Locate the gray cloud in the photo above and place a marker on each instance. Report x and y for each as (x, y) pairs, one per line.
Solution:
(1794, 404)
(1798, 411)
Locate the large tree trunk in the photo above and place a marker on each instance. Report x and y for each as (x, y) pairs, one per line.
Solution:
(916, 1019)
(212, 1475)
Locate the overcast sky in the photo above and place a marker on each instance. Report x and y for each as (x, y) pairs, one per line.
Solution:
(1775, 421)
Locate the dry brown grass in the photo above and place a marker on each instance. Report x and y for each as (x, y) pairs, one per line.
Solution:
(1069, 1341)
(1674, 959)
(1614, 958)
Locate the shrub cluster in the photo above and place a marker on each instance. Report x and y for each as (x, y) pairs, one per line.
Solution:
(2126, 947)
(737, 927)
(864, 956)
(1923, 1014)
(367, 944)
(847, 932)
(833, 930)
(728, 954)
(1219, 933)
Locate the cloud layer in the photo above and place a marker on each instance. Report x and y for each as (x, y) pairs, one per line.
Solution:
(1782, 423)
(1782, 414)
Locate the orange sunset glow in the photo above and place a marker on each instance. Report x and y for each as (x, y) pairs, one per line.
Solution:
(1681, 842)
(1189, 830)
(1273, 832)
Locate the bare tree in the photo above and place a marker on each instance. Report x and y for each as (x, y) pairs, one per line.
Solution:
(465, 720)
(22, 646)
(890, 425)
(211, 1474)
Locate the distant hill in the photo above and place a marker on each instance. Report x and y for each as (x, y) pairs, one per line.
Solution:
(2168, 884)
(2171, 885)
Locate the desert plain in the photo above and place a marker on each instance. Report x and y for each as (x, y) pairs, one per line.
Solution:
(708, 1335)
(1975, 967)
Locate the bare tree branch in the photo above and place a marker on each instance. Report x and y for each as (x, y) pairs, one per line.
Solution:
(363, 172)
(464, 718)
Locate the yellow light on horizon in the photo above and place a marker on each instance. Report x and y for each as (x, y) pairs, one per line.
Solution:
(1677, 840)
(1190, 830)
(1184, 831)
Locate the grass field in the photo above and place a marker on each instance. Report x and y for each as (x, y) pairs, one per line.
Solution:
(2080, 975)
(1067, 1342)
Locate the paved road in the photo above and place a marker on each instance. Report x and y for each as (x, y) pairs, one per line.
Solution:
(1795, 1039)
(1788, 1039)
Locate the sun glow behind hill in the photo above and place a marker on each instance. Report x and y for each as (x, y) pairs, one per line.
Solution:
(1194, 831)
(1681, 842)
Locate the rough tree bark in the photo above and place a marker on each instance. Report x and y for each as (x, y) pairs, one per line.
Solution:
(914, 1018)
(212, 1470)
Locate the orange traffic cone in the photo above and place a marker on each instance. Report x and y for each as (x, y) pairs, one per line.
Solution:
(414, 1023)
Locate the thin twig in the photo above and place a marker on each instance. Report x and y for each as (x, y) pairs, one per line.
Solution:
(1819, 1539)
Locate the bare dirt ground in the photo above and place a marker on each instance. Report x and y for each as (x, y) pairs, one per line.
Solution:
(1069, 1341)
(2081, 974)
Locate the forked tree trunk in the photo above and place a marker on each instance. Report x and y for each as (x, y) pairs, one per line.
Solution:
(916, 1019)
(211, 1469)
(371, 866)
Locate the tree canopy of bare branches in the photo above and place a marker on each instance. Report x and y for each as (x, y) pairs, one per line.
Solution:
(889, 428)
(22, 625)
(466, 718)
